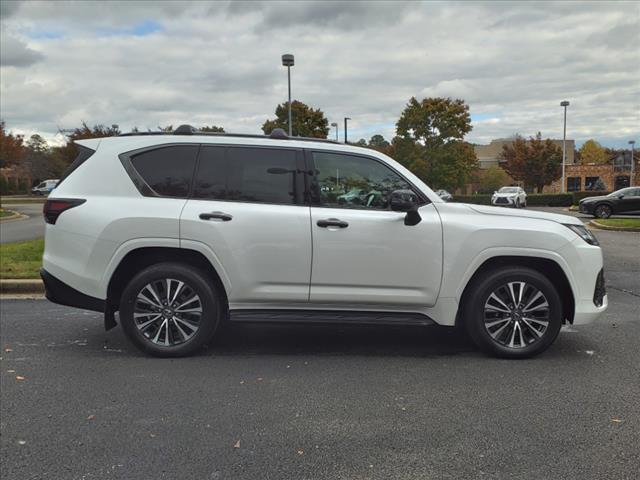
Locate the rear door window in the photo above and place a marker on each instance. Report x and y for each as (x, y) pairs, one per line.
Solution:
(167, 171)
(248, 174)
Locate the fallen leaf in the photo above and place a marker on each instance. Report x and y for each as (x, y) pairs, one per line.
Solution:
(589, 352)
(241, 382)
(11, 371)
(300, 452)
(8, 350)
(616, 420)
(237, 444)
(91, 417)
(259, 379)
(19, 378)
(21, 442)
(152, 435)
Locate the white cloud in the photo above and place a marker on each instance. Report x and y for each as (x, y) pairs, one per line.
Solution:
(216, 63)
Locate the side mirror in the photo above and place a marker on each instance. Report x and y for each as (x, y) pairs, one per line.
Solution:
(406, 201)
(621, 196)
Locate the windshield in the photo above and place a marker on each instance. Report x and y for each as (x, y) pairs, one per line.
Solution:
(508, 190)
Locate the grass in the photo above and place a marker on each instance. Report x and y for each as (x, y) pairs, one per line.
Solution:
(21, 259)
(5, 213)
(15, 201)
(619, 222)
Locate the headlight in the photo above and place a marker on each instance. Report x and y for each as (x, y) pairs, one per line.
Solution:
(584, 233)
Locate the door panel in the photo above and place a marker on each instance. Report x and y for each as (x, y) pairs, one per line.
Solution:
(376, 259)
(265, 250)
(247, 207)
(363, 253)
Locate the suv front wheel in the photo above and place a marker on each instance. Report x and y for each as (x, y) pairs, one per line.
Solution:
(170, 310)
(513, 312)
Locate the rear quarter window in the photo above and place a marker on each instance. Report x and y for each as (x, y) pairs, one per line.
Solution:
(83, 155)
(166, 171)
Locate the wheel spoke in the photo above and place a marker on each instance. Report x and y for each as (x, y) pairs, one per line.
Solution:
(543, 323)
(495, 298)
(192, 326)
(187, 302)
(143, 298)
(532, 328)
(496, 322)
(155, 295)
(144, 325)
(497, 332)
(535, 298)
(178, 290)
(184, 334)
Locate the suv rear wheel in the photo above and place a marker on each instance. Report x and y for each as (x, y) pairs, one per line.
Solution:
(170, 310)
(513, 312)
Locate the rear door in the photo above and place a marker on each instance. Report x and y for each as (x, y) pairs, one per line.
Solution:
(631, 200)
(247, 206)
(363, 253)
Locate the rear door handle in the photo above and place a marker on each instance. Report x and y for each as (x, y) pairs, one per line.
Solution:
(332, 222)
(225, 217)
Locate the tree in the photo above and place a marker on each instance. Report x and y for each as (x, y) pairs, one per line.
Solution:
(378, 142)
(12, 150)
(212, 129)
(535, 162)
(306, 121)
(430, 141)
(361, 143)
(492, 179)
(592, 152)
(64, 155)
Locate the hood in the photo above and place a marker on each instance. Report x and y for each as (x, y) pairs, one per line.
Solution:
(504, 194)
(553, 217)
(593, 199)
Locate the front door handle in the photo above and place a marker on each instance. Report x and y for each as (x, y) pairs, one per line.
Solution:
(332, 222)
(225, 217)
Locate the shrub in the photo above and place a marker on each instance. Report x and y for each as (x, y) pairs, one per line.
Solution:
(551, 199)
(481, 199)
(577, 196)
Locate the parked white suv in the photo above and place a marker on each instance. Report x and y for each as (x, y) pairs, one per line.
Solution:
(510, 197)
(180, 232)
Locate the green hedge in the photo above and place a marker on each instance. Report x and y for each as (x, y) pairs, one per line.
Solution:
(577, 196)
(544, 199)
(541, 200)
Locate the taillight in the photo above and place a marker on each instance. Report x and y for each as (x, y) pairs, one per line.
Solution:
(54, 207)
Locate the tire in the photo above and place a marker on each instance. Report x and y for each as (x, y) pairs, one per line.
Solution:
(183, 326)
(512, 334)
(602, 211)
(517, 204)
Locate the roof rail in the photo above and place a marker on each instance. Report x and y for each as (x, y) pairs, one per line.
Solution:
(276, 134)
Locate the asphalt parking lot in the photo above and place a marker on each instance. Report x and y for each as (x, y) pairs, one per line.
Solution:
(322, 402)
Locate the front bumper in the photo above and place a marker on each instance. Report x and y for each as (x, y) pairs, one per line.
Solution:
(585, 208)
(503, 201)
(59, 292)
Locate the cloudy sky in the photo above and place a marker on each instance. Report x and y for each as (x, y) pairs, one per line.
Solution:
(159, 63)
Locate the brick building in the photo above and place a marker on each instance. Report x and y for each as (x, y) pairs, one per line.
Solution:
(488, 154)
(614, 175)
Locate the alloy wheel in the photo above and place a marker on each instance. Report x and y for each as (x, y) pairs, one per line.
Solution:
(516, 315)
(603, 211)
(167, 312)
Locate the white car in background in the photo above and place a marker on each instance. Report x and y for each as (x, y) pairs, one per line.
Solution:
(45, 188)
(509, 197)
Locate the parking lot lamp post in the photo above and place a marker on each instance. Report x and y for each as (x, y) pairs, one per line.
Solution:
(565, 104)
(287, 61)
(335, 124)
(345, 128)
(633, 162)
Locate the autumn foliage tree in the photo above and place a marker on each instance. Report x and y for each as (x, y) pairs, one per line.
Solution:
(430, 141)
(592, 152)
(65, 154)
(12, 149)
(306, 121)
(535, 162)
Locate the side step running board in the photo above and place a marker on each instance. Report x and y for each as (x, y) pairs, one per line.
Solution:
(330, 316)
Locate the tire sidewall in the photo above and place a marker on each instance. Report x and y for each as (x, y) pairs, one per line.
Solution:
(606, 208)
(474, 311)
(198, 281)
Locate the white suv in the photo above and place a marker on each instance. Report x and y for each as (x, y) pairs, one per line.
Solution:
(180, 232)
(510, 197)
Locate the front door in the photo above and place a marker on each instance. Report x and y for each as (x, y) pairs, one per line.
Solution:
(363, 253)
(247, 206)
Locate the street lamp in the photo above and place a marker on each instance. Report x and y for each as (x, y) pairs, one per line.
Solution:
(633, 161)
(345, 128)
(287, 61)
(335, 124)
(565, 104)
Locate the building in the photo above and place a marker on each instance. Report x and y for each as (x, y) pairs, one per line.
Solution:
(488, 155)
(613, 175)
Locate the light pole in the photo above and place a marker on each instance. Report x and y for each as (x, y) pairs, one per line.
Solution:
(345, 128)
(633, 162)
(287, 61)
(565, 104)
(335, 124)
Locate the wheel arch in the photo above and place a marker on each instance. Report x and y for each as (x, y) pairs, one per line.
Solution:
(142, 257)
(546, 266)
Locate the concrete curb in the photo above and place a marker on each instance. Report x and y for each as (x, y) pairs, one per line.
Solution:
(599, 226)
(20, 286)
(14, 217)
